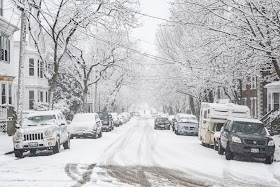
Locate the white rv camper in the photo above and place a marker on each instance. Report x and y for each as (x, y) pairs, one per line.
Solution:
(214, 115)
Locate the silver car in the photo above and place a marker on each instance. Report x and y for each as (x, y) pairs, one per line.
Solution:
(186, 127)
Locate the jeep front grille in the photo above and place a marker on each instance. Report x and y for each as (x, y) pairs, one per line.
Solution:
(38, 136)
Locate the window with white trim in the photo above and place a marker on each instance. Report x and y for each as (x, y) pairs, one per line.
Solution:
(31, 99)
(3, 93)
(4, 49)
(253, 82)
(10, 93)
(1, 7)
(31, 67)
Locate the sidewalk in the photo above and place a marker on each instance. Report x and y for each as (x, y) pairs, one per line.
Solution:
(6, 144)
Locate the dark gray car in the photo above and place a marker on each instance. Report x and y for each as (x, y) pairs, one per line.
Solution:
(247, 137)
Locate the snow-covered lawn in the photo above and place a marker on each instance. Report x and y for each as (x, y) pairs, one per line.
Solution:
(135, 144)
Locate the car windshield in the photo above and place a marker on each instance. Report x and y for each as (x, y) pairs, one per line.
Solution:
(102, 115)
(249, 128)
(39, 120)
(162, 119)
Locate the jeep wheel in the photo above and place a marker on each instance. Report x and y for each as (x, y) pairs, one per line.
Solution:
(168, 127)
(94, 136)
(18, 153)
(229, 155)
(269, 160)
(56, 148)
(215, 145)
(66, 145)
(220, 149)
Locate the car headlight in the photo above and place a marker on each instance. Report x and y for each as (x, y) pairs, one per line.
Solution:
(48, 133)
(18, 136)
(271, 143)
(236, 139)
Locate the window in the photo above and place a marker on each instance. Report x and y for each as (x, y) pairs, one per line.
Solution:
(41, 69)
(41, 96)
(31, 99)
(4, 49)
(244, 101)
(205, 114)
(38, 68)
(31, 67)
(253, 82)
(3, 93)
(10, 94)
(1, 7)
(276, 101)
(46, 96)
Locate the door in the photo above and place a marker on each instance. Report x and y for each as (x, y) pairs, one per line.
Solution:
(225, 134)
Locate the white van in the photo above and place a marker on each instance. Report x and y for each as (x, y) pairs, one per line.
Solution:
(212, 118)
(86, 125)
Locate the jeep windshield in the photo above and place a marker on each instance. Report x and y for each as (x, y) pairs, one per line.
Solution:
(248, 128)
(103, 116)
(39, 120)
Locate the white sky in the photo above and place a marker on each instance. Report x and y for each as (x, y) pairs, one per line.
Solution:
(157, 8)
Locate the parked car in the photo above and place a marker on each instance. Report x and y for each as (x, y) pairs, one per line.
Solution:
(135, 113)
(162, 123)
(247, 137)
(116, 119)
(107, 123)
(123, 119)
(186, 126)
(86, 125)
(46, 130)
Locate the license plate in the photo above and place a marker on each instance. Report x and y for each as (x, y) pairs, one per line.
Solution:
(255, 150)
(33, 144)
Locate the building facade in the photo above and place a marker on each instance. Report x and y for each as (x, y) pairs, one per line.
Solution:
(7, 61)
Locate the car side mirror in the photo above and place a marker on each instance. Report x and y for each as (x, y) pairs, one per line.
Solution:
(271, 134)
(226, 130)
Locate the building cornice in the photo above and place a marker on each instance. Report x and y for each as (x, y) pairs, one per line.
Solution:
(6, 27)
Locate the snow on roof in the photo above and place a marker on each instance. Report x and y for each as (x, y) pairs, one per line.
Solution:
(251, 120)
(226, 107)
(273, 84)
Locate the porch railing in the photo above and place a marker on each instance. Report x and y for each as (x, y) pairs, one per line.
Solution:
(272, 121)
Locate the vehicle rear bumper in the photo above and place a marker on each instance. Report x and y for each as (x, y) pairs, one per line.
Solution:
(188, 132)
(243, 149)
(161, 126)
(83, 133)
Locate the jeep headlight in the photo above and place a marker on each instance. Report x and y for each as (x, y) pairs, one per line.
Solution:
(18, 136)
(271, 143)
(236, 139)
(48, 133)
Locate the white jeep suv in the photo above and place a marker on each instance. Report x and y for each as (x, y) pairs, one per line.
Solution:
(44, 130)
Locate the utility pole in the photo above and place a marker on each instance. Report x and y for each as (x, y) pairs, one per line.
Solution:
(21, 63)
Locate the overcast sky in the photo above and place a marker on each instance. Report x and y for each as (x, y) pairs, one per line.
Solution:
(157, 8)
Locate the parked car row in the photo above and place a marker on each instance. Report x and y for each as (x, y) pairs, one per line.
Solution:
(48, 130)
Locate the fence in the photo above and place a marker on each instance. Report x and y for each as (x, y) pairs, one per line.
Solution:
(6, 119)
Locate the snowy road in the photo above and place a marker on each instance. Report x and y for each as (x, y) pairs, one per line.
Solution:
(136, 155)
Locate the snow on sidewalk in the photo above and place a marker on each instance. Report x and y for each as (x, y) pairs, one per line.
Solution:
(6, 143)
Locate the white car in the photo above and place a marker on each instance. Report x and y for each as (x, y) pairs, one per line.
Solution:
(46, 130)
(116, 119)
(86, 125)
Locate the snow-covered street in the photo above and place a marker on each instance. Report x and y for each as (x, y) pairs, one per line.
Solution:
(132, 155)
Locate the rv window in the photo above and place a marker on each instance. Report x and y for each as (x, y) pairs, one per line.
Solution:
(208, 111)
(205, 114)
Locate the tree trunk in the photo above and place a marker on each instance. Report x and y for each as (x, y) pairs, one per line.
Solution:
(192, 105)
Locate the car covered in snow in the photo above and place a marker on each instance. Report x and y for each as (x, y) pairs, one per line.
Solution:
(247, 137)
(162, 123)
(45, 130)
(116, 119)
(86, 125)
(186, 126)
(107, 121)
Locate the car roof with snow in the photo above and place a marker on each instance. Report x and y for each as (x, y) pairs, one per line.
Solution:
(44, 113)
(249, 120)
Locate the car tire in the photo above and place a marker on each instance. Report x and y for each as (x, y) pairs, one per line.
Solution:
(66, 145)
(220, 149)
(18, 153)
(228, 154)
(215, 145)
(56, 148)
(269, 159)
(100, 134)
(168, 127)
(94, 136)
(176, 132)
